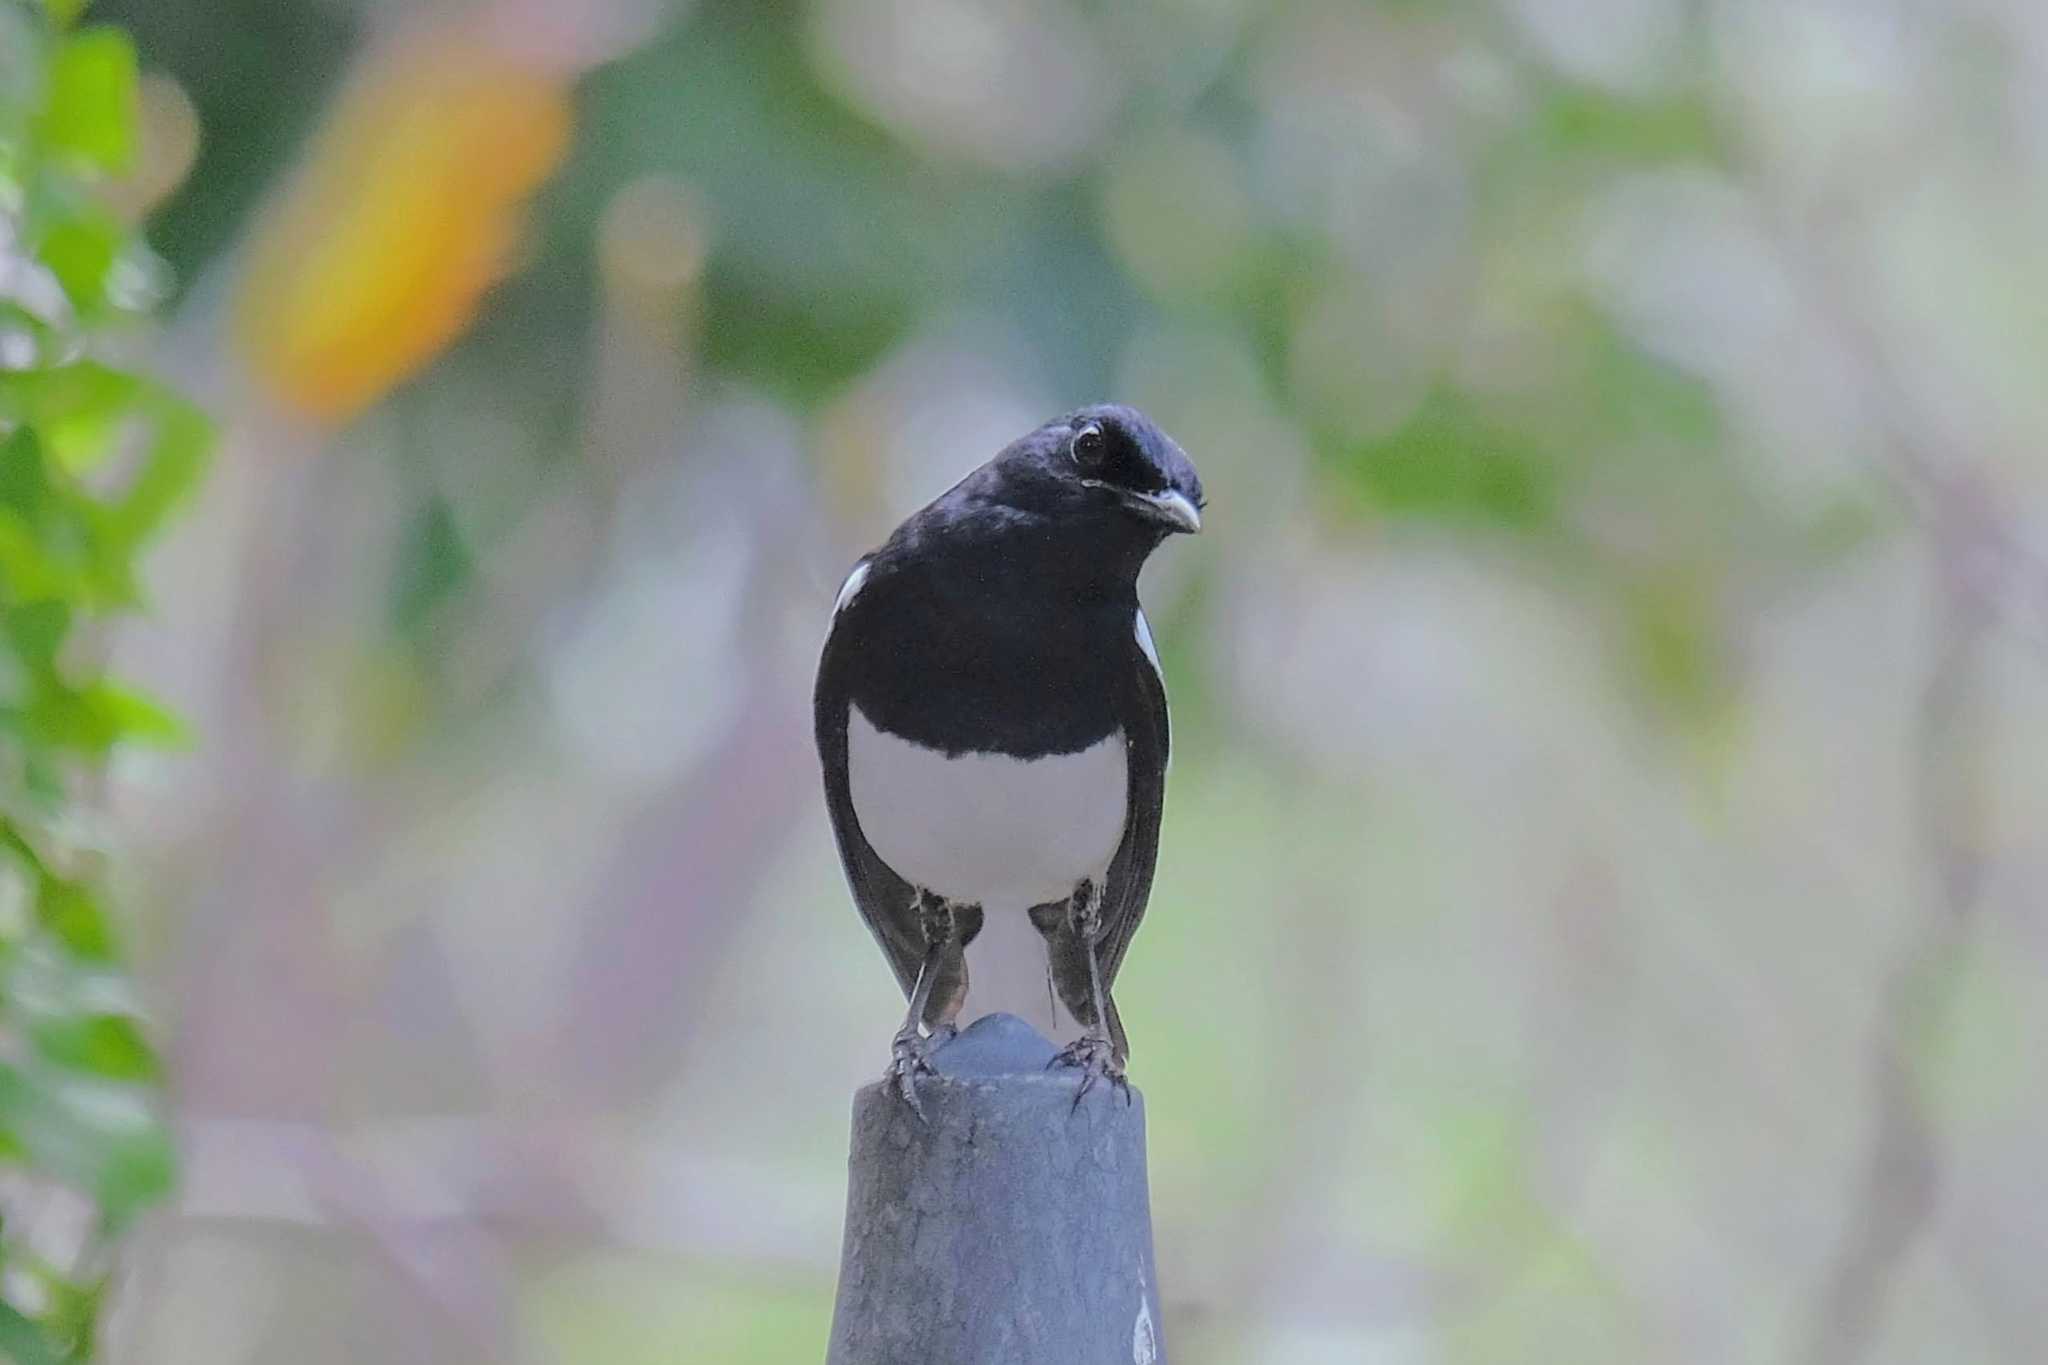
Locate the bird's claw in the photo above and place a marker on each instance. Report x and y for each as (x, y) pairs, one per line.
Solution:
(910, 1056)
(1096, 1058)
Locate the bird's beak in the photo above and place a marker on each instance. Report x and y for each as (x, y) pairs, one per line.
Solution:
(1171, 508)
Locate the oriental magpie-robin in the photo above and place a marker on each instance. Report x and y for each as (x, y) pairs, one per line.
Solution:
(992, 721)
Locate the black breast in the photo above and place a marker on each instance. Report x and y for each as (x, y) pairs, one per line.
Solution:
(1013, 644)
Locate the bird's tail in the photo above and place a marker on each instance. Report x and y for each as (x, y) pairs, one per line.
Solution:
(1117, 1040)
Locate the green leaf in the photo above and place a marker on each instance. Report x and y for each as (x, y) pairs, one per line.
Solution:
(177, 458)
(90, 720)
(89, 112)
(80, 251)
(139, 1169)
(22, 1342)
(23, 486)
(17, 316)
(138, 718)
(73, 1314)
(37, 630)
(80, 442)
(30, 572)
(97, 1136)
(12, 840)
(64, 392)
(108, 1045)
(70, 912)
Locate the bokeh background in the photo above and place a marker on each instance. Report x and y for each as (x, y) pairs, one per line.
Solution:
(1600, 914)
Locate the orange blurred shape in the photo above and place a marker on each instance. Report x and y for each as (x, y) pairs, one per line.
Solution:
(407, 210)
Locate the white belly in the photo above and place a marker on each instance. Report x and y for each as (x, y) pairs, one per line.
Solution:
(988, 829)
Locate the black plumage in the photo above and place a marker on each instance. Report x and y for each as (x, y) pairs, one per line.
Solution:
(1003, 620)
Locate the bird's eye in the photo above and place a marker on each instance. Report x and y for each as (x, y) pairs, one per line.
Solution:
(1089, 446)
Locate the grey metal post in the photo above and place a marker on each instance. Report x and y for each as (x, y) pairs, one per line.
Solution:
(1010, 1227)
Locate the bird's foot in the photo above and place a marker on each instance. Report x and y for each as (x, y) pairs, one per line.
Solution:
(1097, 1060)
(910, 1056)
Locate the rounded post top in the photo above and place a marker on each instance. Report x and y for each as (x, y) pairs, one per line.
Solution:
(994, 1045)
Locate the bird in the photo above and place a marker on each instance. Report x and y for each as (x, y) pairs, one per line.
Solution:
(992, 724)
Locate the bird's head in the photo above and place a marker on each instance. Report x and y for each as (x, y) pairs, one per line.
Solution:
(1108, 463)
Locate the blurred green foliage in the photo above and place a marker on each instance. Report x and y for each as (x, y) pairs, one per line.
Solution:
(93, 459)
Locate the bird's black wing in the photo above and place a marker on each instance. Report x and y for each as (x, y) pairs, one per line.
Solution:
(1147, 741)
(885, 900)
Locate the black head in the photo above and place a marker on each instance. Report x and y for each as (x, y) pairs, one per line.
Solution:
(1107, 466)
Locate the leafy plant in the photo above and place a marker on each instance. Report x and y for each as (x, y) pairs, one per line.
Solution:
(93, 459)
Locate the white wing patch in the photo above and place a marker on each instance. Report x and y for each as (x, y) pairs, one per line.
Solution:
(850, 589)
(1143, 629)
